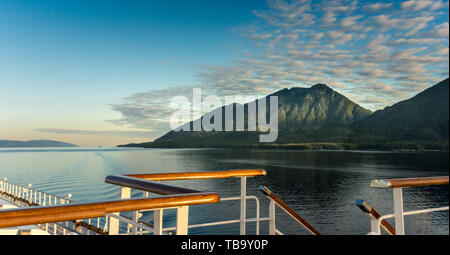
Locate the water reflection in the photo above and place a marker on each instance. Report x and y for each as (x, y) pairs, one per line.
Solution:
(322, 186)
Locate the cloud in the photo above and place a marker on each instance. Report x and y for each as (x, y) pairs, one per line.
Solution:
(339, 37)
(368, 51)
(350, 21)
(318, 36)
(377, 44)
(131, 134)
(414, 41)
(416, 5)
(260, 36)
(442, 51)
(328, 18)
(439, 31)
(376, 7)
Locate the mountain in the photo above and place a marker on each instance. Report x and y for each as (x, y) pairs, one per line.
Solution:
(316, 107)
(422, 119)
(320, 118)
(34, 143)
(299, 109)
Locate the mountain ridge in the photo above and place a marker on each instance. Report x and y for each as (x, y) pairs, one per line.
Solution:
(33, 143)
(319, 118)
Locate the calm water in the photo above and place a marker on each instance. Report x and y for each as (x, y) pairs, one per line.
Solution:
(321, 186)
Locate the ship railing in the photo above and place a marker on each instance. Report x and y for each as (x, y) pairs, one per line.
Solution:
(149, 183)
(276, 201)
(26, 195)
(69, 217)
(20, 196)
(76, 211)
(397, 186)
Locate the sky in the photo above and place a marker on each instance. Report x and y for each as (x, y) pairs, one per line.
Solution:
(102, 73)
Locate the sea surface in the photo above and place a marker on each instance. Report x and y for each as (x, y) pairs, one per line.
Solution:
(322, 186)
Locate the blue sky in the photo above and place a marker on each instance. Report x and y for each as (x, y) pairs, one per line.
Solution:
(101, 72)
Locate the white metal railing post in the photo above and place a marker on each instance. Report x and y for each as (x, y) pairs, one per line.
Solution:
(398, 211)
(125, 193)
(182, 220)
(113, 221)
(272, 217)
(374, 227)
(158, 222)
(135, 217)
(257, 215)
(243, 204)
(113, 225)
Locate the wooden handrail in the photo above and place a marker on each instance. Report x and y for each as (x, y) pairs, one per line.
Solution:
(199, 175)
(372, 213)
(173, 196)
(409, 182)
(289, 210)
(48, 214)
(147, 185)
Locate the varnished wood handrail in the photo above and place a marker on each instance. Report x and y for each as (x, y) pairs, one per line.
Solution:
(372, 213)
(48, 214)
(199, 175)
(409, 182)
(289, 210)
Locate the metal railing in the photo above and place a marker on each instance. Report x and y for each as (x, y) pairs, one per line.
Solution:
(397, 186)
(149, 183)
(276, 201)
(29, 196)
(374, 216)
(59, 215)
(25, 196)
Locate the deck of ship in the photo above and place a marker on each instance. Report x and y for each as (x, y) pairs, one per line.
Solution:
(26, 211)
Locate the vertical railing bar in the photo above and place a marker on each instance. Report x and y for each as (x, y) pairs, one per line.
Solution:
(182, 224)
(158, 222)
(272, 227)
(398, 211)
(243, 204)
(257, 216)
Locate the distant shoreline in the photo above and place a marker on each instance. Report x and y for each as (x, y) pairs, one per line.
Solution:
(34, 144)
(311, 147)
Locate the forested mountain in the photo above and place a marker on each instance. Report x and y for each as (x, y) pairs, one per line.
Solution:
(421, 119)
(320, 118)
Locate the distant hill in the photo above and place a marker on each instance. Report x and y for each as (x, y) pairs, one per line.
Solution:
(34, 143)
(420, 120)
(320, 118)
(299, 109)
